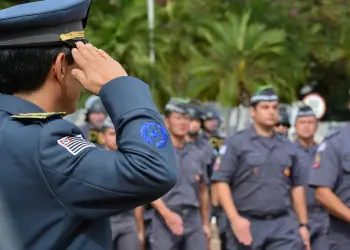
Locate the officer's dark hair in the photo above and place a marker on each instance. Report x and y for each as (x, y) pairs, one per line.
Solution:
(167, 113)
(24, 70)
(254, 105)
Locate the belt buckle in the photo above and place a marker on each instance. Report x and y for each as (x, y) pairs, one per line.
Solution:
(184, 211)
(269, 217)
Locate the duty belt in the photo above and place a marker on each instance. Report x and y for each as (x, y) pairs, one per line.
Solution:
(266, 216)
(315, 209)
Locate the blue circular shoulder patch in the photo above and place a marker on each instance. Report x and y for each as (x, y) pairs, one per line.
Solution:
(152, 132)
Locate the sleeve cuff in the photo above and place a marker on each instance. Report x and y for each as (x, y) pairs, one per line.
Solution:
(220, 178)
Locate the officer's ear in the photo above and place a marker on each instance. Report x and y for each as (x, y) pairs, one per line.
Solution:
(60, 67)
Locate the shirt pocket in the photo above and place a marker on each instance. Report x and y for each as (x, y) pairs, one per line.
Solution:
(194, 173)
(253, 166)
(285, 166)
(255, 159)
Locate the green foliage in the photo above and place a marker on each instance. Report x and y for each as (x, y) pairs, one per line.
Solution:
(224, 50)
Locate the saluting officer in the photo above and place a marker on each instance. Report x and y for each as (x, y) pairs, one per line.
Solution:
(256, 170)
(60, 188)
(95, 116)
(181, 217)
(305, 128)
(124, 227)
(330, 175)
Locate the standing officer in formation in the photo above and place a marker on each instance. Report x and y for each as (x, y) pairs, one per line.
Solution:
(208, 119)
(181, 216)
(283, 125)
(330, 176)
(256, 173)
(95, 115)
(196, 123)
(60, 188)
(211, 124)
(305, 128)
(124, 227)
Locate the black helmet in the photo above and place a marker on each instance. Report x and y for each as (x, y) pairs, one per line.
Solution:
(176, 105)
(95, 107)
(107, 123)
(194, 111)
(211, 113)
(283, 119)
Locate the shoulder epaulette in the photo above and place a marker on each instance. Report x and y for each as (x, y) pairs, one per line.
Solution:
(38, 116)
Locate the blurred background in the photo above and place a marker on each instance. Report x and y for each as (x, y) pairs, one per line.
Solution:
(220, 51)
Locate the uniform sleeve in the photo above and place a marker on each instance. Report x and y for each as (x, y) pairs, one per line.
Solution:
(325, 169)
(226, 161)
(92, 182)
(298, 170)
(204, 167)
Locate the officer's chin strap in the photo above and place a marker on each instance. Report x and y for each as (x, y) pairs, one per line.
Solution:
(193, 134)
(212, 132)
(280, 134)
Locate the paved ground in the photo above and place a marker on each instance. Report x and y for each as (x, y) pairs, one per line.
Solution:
(215, 242)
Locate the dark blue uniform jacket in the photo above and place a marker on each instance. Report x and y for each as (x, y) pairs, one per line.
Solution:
(61, 189)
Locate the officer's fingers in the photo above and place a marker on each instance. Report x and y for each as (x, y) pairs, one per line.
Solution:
(80, 76)
(104, 55)
(79, 59)
(84, 50)
(93, 52)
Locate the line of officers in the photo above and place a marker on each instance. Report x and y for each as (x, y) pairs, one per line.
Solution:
(266, 192)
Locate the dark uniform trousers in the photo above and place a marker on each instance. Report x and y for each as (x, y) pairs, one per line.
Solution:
(221, 223)
(339, 234)
(148, 215)
(124, 232)
(269, 233)
(193, 237)
(318, 221)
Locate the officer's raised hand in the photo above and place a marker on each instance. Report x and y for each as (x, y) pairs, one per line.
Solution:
(241, 229)
(96, 67)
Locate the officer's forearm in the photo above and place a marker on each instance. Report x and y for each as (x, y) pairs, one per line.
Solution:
(214, 196)
(299, 204)
(161, 208)
(204, 202)
(139, 219)
(226, 201)
(332, 203)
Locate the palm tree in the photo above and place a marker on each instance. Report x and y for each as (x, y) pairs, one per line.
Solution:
(177, 40)
(241, 56)
(120, 28)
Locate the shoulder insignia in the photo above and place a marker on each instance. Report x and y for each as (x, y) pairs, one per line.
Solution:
(216, 142)
(322, 147)
(154, 133)
(317, 160)
(38, 116)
